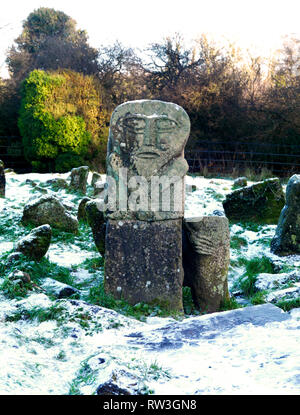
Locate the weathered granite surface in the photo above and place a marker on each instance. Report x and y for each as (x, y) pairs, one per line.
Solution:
(206, 257)
(261, 203)
(143, 262)
(49, 210)
(79, 176)
(147, 138)
(287, 237)
(36, 244)
(81, 213)
(2, 179)
(97, 222)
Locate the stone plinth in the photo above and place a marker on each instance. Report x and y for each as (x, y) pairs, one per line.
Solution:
(144, 262)
(206, 256)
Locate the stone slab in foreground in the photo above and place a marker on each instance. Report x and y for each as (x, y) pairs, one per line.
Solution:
(190, 331)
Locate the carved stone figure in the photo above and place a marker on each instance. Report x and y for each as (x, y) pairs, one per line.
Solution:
(206, 256)
(145, 162)
(147, 138)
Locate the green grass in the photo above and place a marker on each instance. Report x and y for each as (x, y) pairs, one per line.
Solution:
(230, 304)
(148, 371)
(84, 239)
(45, 341)
(188, 303)
(247, 284)
(41, 314)
(257, 177)
(77, 196)
(250, 226)
(86, 376)
(265, 241)
(93, 264)
(61, 356)
(253, 267)
(215, 195)
(12, 228)
(60, 314)
(258, 298)
(236, 242)
(139, 311)
(14, 291)
(259, 265)
(37, 271)
(287, 305)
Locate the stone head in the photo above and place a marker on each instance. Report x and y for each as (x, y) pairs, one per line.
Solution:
(148, 132)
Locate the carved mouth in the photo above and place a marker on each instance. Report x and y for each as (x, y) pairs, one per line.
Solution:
(147, 155)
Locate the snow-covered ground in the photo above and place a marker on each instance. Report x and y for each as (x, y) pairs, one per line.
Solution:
(161, 355)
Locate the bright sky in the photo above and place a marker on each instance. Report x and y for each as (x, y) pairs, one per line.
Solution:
(255, 24)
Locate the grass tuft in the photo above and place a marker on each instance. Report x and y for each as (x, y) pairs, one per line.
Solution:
(229, 304)
(140, 311)
(253, 267)
(287, 305)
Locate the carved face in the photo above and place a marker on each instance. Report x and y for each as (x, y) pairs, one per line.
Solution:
(147, 136)
(148, 133)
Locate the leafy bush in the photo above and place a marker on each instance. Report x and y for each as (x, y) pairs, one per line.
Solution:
(60, 119)
(66, 161)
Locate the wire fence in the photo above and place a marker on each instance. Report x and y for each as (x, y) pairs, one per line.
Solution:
(220, 157)
(12, 154)
(235, 157)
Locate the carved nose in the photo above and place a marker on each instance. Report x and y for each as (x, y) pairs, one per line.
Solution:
(150, 134)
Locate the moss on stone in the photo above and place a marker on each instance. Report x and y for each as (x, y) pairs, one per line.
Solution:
(260, 203)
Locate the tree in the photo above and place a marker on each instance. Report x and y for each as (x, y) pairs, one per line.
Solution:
(9, 107)
(121, 75)
(44, 23)
(170, 62)
(282, 103)
(50, 40)
(60, 113)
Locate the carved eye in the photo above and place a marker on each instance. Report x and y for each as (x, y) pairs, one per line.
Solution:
(165, 125)
(135, 124)
(163, 143)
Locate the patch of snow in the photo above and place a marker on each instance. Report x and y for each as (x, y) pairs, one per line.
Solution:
(44, 358)
(68, 255)
(266, 281)
(286, 294)
(5, 246)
